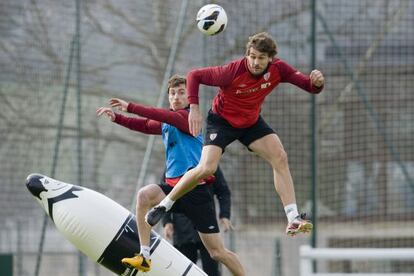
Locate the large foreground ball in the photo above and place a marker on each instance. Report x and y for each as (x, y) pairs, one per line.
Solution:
(211, 19)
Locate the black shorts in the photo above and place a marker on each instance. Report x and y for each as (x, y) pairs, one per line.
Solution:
(198, 206)
(220, 133)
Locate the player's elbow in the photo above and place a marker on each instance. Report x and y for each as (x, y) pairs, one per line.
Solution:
(192, 74)
(195, 75)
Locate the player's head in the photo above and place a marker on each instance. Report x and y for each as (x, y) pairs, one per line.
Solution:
(177, 95)
(260, 51)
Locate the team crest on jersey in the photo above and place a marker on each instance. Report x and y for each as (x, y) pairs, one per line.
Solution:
(213, 136)
(266, 76)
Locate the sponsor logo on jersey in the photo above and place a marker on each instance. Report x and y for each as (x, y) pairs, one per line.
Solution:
(254, 89)
(250, 90)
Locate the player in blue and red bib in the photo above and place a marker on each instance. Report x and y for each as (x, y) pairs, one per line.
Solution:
(182, 152)
(243, 85)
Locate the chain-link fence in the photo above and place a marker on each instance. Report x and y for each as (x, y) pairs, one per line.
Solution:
(53, 51)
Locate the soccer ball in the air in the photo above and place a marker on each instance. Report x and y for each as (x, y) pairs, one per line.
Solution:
(211, 19)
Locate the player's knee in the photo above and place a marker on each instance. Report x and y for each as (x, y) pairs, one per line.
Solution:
(221, 254)
(217, 254)
(280, 158)
(207, 169)
(142, 198)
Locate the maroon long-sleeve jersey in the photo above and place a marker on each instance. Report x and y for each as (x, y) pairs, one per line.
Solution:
(152, 118)
(241, 94)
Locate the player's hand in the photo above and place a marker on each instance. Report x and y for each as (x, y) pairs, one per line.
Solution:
(226, 224)
(194, 120)
(169, 231)
(120, 104)
(107, 111)
(317, 78)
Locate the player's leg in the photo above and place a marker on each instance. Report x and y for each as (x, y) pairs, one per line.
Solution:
(270, 148)
(147, 197)
(215, 247)
(198, 206)
(210, 266)
(210, 158)
(189, 249)
(261, 139)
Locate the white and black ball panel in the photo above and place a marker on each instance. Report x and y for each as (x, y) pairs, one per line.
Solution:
(211, 19)
(208, 10)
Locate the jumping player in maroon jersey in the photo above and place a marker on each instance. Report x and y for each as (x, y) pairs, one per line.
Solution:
(235, 115)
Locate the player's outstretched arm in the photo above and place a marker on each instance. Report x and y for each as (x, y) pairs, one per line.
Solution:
(313, 83)
(178, 118)
(143, 125)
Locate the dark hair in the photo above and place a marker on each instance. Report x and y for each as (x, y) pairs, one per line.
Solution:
(262, 42)
(175, 81)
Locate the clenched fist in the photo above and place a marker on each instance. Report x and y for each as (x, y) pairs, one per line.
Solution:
(317, 78)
